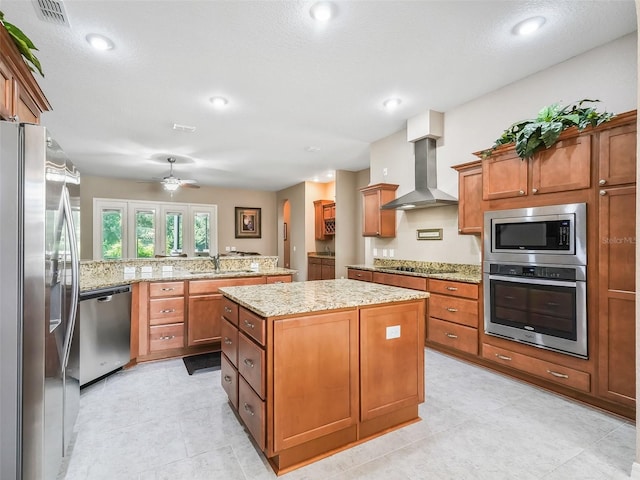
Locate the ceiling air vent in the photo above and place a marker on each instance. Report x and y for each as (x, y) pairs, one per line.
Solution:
(51, 11)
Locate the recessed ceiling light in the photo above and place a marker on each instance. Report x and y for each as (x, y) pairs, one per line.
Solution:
(391, 104)
(184, 128)
(219, 102)
(528, 26)
(330, 174)
(321, 11)
(99, 42)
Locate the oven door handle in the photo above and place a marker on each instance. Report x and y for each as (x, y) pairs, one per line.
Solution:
(534, 281)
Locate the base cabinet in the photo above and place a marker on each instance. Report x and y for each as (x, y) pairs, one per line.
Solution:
(314, 383)
(321, 268)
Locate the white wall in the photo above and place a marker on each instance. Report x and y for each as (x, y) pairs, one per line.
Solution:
(607, 73)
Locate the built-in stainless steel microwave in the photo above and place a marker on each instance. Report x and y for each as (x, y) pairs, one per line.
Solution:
(554, 234)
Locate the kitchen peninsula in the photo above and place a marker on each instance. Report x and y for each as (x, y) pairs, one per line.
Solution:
(312, 368)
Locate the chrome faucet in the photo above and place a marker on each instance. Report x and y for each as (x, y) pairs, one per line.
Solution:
(328, 250)
(216, 262)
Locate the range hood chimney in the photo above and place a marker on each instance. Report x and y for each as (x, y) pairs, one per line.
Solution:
(423, 130)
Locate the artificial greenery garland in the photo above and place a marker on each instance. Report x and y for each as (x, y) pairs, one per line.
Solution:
(24, 44)
(543, 131)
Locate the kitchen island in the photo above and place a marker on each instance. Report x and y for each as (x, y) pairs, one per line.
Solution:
(312, 368)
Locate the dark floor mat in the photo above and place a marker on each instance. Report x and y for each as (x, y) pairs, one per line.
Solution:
(209, 361)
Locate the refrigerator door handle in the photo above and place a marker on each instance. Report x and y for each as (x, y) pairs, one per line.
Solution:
(75, 274)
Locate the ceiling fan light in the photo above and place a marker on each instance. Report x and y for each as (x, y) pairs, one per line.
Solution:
(171, 184)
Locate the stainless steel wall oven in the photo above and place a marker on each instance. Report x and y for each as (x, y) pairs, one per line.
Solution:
(535, 277)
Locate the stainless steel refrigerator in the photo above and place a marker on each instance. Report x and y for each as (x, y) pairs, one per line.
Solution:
(39, 272)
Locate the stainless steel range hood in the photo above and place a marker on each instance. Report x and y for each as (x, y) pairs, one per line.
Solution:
(423, 131)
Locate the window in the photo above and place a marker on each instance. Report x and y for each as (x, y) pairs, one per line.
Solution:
(130, 229)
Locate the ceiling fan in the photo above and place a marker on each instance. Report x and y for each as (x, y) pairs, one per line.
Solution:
(171, 183)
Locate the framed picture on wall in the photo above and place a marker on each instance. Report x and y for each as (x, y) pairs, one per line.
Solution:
(248, 222)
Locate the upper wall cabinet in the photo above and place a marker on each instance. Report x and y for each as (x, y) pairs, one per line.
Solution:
(617, 160)
(325, 218)
(470, 216)
(21, 98)
(377, 222)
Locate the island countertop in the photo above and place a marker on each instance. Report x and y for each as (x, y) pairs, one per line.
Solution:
(304, 297)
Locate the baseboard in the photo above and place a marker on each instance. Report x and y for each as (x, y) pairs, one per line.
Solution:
(635, 471)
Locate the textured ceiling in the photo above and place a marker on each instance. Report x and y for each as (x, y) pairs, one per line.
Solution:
(291, 83)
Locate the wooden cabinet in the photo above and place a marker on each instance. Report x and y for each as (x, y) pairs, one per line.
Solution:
(453, 315)
(617, 159)
(564, 167)
(551, 372)
(165, 316)
(316, 394)
(21, 98)
(325, 219)
(363, 275)
(504, 175)
(321, 268)
(470, 217)
(616, 292)
(391, 359)
(318, 382)
(404, 281)
(206, 308)
(377, 222)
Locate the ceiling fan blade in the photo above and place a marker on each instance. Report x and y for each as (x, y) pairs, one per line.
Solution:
(189, 185)
(188, 181)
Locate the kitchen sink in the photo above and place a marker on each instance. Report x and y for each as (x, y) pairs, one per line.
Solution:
(220, 272)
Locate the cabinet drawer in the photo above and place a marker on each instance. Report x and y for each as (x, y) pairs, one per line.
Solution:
(398, 280)
(279, 279)
(252, 325)
(458, 289)
(550, 371)
(453, 335)
(251, 359)
(252, 412)
(229, 334)
(230, 310)
(166, 310)
(165, 337)
(229, 380)
(364, 275)
(166, 289)
(453, 309)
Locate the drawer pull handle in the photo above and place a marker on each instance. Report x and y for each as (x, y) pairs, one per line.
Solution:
(167, 289)
(248, 409)
(248, 362)
(556, 374)
(249, 324)
(279, 281)
(227, 341)
(450, 309)
(452, 289)
(227, 378)
(451, 335)
(358, 274)
(227, 309)
(509, 297)
(168, 310)
(167, 337)
(503, 357)
(553, 304)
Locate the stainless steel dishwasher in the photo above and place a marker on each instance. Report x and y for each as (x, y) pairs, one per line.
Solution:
(104, 331)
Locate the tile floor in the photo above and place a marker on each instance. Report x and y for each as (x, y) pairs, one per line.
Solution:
(155, 422)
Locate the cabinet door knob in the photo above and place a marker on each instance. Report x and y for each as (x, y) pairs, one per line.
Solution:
(227, 378)
(534, 190)
(248, 362)
(521, 192)
(603, 192)
(602, 181)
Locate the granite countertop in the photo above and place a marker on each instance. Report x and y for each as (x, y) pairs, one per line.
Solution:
(441, 271)
(304, 297)
(97, 275)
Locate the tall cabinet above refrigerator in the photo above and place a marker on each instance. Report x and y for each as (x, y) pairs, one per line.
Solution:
(39, 271)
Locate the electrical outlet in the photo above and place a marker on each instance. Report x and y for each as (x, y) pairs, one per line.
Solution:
(294, 248)
(375, 252)
(384, 252)
(384, 172)
(391, 252)
(233, 249)
(227, 249)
